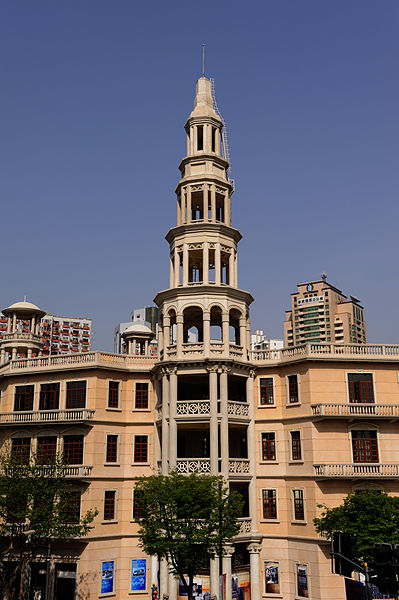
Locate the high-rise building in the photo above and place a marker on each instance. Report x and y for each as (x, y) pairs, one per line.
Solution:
(60, 335)
(321, 313)
(289, 428)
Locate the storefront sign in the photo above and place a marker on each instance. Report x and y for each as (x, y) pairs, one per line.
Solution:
(139, 575)
(107, 577)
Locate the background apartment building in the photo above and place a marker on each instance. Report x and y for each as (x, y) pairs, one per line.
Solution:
(321, 313)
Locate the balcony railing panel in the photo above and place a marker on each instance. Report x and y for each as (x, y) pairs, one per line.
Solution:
(193, 407)
(238, 466)
(389, 352)
(237, 409)
(355, 410)
(245, 525)
(369, 470)
(47, 416)
(193, 465)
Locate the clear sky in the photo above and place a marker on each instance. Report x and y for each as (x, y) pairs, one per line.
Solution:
(94, 96)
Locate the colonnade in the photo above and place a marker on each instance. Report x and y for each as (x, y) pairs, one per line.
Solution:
(210, 257)
(211, 136)
(212, 196)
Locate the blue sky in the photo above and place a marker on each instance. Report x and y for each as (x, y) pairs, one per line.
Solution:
(94, 98)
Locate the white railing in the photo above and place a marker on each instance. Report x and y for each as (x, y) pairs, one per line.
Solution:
(47, 416)
(238, 466)
(328, 351)
(127, 361)
(245, 525)
(357, 470)
(359, 410)
(19, 335)
(193, 407)
(193, 465)
(237, 409)
(78, 471)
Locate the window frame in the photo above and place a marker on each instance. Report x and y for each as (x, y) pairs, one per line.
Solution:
(44, 434)
(33, 398)
(298, 400)
(119, 382)
(117, 461)
(115, 517)
(146, 462)
(358, 372)
(271, 563)
(306, 565)
(59, 395)
(74, 434)
(269, 404)
(66, 392)
(267, 460)
(135, 407)
(365, 427)
(269, 519)
(292, 459)
(302, 491)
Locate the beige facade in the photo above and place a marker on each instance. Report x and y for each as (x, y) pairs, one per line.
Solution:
(288, 428)
(321, 313)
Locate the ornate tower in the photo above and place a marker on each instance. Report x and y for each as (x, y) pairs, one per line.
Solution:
(205, 380)
(23, 331)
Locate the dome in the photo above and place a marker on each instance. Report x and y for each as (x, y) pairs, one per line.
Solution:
(138, 329)
(23, 307)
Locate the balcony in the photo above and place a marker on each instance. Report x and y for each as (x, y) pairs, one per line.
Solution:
(344, 411)
(238, 466)
(355, 470)
(23, 336)
(193, 408)
(245, 525)
(76, 415)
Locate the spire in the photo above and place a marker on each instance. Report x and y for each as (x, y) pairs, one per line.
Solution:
(203, 103)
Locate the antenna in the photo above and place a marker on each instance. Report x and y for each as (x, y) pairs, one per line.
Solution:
(324, 276)
(203, 60)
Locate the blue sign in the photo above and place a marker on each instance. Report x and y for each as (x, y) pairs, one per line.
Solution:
(139, 575)
(107, 576)
(309, 287)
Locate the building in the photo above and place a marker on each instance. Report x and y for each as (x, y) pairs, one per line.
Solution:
(60, 335)
(260, 342)
(288, 428)
(321, 313)
(147, 316)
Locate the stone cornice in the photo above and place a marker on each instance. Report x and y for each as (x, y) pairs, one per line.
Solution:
(203, 291)
(203, 227)
(193, 158)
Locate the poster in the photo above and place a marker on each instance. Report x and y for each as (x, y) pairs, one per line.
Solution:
(107, 576)
(139, 575)
(240, 586)
(272, 582)
(201, 589)
(302, 578)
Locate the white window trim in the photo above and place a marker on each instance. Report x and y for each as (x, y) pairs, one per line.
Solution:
(360, 372)
(117, 462)
(287, 389)
(63, 397)
(148, 409)
(293, 519)
(274, 391)
(262, 460)
(270, 594)
(295, 461)
(115, 519)
(264, 519)
(111, 408)
(147, 463)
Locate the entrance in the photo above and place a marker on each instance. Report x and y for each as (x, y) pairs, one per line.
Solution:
(65, 581)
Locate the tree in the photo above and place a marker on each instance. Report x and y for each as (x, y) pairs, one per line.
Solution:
(186, 518)
(370, 515)
(37, 504)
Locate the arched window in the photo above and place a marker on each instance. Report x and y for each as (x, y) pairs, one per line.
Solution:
(192, 325)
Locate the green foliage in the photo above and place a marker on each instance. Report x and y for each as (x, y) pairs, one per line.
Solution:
(370, 515)
(186, 518)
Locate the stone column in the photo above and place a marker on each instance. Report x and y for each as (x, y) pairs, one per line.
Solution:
(205, 137)
(14, 354)
(179, 335)
(9, 325)
(171, 270)
(146, 347)
(183, 205)
(195, 140)
(172, 587)
(214, 576)
(217, 264)
(205, 202)
(191, 139)
(29, 353)
(163, 578)
(213, 426)
(176, 268)
(251, 451)
(160, 337)
(228, 553)
(14, 321)
(165, 422)
(206, 320)
(217, 141)
(157, 437)
(3, 356)
(205, 263)
(185, 264)
(172, 417)
(213, 203)
(235, 270)
(227, 209)
(231, 268)
(33, 324)
(225, 332)
(254, 550)
(188, 204)
(166, 333)
(243, 334)
(224, 425)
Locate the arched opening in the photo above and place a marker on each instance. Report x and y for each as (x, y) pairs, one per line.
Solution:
(211, 271)
(172, 327)
(192, 325)
(216, 324)
(234, 326)
(195, 266)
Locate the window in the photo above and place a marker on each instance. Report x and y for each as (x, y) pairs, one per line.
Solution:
(73, 449)
(302, 581)
(361, 388)
(293, 389)
(72, 507)
(141, 395)
(76, 394)
(272, 579)
(364, 445)
(266, 390)
(49, 396)
(112, 449)
(113, 394)
(268, 446)
(296, 451)
(137, 505)
(299, 507)
(20, 449)
(23, 397)
(141, 448)
(46, 449)
(269, 504)
(109, 505)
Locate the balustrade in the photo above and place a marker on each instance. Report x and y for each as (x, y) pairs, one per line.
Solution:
(47, 416)
(358, 410)
(357, 470)
(193, 407)
(193, 465)
(238, 466)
